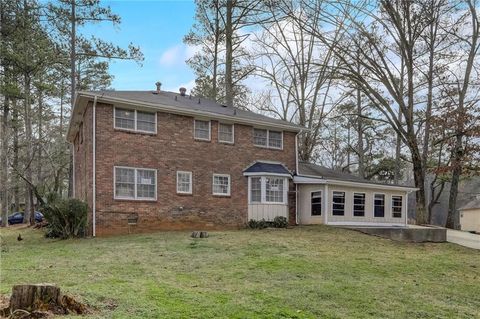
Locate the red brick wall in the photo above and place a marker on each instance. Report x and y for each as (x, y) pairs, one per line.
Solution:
(173, 148)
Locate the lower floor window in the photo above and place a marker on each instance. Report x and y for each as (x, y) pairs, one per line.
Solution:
(397, 206)
(268, 189)
(316, 201)
(379, 205)
(359, 204)
(221, 184)
(338, 204)
(135, 183)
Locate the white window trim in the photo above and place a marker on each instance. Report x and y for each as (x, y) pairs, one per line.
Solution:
(344, 203)
(151, 199)
(233, 133)
(263, 189)
(190, 191)
(321, 204)
(209, 130)
(229, 184)
(391, 204)
(134, 121)
(268, 139)
(385, 200)
(364, 205)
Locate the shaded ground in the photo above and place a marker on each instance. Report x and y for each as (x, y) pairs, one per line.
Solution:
(305, 272)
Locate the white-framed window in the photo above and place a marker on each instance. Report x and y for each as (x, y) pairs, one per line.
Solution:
(267, 189)
(201, 130)
(184, 182)
(359, 204)
(268, 138)
(255, 189)
(379, 205)
(397, 204)
(338, 203)
(225, 133)
(316, 203)
(134, 120)
(221, 184)
(135, 183)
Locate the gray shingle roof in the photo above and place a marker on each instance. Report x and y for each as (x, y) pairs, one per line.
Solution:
(310, 169)
(191, 103)
(475, 203)
(261, 167)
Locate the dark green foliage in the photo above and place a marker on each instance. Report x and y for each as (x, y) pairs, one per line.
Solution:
(66, 217)
(257, 224)
(280, 222)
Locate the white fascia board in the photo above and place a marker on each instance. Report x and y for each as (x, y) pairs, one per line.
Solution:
(371, 186)
(308, 180)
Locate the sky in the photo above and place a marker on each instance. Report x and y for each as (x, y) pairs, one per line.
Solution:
(158, 27)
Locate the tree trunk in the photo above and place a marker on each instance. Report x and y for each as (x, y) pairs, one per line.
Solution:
(398, 152)
(4, 162)
(29, 151)
(73, 57)
(229, 55)
(15, 178)
(215, 52)
(40, 137)
(452, 216)
(419, 176)
(360, 150)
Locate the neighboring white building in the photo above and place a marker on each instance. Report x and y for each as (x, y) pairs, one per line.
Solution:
(470, 216)
(325, 196)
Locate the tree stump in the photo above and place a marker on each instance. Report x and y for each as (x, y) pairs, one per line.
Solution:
(34, 297)
(199, 234)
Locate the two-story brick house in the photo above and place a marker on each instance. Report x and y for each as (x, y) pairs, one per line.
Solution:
(156, 160)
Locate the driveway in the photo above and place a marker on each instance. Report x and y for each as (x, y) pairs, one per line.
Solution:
(463, 238)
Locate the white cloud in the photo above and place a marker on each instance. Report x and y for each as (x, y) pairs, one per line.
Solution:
(177, 55)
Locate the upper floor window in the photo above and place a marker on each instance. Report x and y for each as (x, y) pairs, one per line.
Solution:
(397, 204)
(135, 183)
(225, 133)
(202, 130)
(221, 184)
(184, 182)
(379, 205)
(268, 138)
(134, 120)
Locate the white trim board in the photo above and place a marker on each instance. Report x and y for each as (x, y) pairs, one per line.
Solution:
(364, 224)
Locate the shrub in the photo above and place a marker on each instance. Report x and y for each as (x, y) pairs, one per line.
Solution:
(280, 222)
(66, 217)
(257, 224)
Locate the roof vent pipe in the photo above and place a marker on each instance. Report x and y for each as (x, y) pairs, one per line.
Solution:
(183, 91)
(159, 85)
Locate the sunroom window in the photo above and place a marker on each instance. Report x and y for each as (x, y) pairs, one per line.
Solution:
(338, 203)
(397, 206)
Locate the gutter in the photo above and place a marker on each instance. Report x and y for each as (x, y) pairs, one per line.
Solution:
(94, 187)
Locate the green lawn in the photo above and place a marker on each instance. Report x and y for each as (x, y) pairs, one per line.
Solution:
(305, 272)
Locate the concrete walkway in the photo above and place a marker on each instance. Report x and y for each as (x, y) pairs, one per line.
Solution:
(463, 238)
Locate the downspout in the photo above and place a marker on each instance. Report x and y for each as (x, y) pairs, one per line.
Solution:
(406, 208)
(326, 204)
(94, 187)
(73, 171)
(296, 173)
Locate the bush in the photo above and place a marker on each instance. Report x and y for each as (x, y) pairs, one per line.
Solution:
(280, 222)
(257, 224)
(66, 217)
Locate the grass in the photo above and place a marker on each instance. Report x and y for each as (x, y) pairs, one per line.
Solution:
(305, 272)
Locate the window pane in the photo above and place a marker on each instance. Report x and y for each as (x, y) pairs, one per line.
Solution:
(202, 129)
(145, 184)
(225, 133)
(125, 182)
(358, 204)
(338, 208)
(316, 203)
(146, 121)
(275, 139)
(397, 204)
(379, 205)
(260, 137)
(124, 119)
(255, 189)
(221, 184)
(274, 189)
(184, 183)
